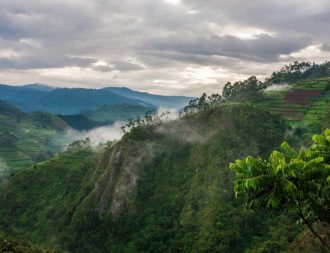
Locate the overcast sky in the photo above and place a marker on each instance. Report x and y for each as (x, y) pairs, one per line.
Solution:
(161, 46)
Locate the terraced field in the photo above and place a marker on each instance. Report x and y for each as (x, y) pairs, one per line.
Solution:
(302, 103)
(25, 140)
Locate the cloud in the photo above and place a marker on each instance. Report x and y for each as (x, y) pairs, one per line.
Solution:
(98, 135)
(278, 87)
(261, 48)
(152, 45)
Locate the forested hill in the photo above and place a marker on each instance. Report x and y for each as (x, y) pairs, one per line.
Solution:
(159, 189)
(166, 186)
(37, 97)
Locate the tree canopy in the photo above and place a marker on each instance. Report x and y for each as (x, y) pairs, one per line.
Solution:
(299, 71)
(289, 179)
(249, 88)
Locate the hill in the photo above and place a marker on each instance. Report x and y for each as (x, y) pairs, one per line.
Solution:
(28, 138)
(37, 97)
(303, 104)
(80, 122)
(160, 189)
(166, 187)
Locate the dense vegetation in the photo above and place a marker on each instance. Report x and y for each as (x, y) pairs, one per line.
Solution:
(290, 179)
(298, 71)
(167, 187)
(28, 138)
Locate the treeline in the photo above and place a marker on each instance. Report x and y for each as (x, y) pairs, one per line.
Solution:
(297, 71)
(250, 88)
(150, 119)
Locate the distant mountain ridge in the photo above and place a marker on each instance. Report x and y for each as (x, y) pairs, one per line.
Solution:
(66, 101)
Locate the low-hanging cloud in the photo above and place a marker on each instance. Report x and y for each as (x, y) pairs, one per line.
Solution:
(278, 87)
(171, 113)
(98, 135)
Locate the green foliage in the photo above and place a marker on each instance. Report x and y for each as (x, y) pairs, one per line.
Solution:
(247, 89)
(150, 118)
(10, 245)
(203, 103)
(181, 201)
(299, 71)
(28, 138)
(43, 198)
(289, 179)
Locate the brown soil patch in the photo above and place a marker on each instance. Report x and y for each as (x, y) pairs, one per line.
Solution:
(301, 96)
(289, 113)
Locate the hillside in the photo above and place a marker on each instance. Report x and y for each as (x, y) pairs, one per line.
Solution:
(167, 187)
(303, 104)
(160, 189)
(28, 138)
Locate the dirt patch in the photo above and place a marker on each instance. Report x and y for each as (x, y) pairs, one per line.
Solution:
(301, 96)
(289, 113)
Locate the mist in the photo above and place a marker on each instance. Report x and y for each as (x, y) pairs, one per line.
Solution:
(98, 135)
(278, 87)
(3, 168)
(173, 113)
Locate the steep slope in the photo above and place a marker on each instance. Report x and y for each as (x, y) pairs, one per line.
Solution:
(177, 102)
(159, 189)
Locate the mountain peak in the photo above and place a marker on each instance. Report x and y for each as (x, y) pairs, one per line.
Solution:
(39, 86)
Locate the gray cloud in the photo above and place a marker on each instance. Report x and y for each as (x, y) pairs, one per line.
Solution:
(261, 48)
(158, 46)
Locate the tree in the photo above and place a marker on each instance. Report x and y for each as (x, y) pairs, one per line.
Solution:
(249, 88)
(299, 180)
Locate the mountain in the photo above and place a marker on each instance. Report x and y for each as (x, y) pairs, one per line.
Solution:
(177, 102)
(166, 187)
(20, 96)
(39, 86)
(112, 113)
(80, 122)
(39, 97)
(159, 189)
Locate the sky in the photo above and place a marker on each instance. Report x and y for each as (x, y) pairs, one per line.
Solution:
(171, 47)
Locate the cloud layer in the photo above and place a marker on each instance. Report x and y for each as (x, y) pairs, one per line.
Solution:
(166, 46)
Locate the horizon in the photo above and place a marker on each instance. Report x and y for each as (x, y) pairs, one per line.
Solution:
(89, 88)
(168, 47)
